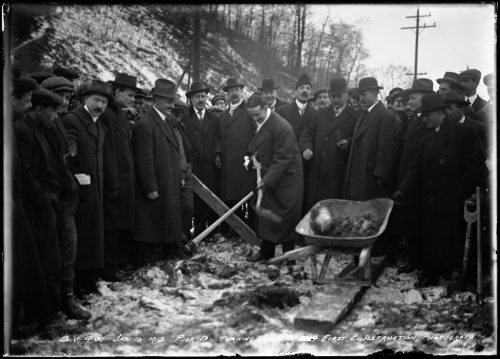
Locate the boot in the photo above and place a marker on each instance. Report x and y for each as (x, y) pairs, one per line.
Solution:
(73, 309)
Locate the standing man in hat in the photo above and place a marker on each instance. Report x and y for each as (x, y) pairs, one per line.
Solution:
(325, 144)
(321, 98)
(201, 130)
(84, 127)
(119, 177)
(372, 162)
(276, 148)
(469, 80)
(269, 92)
(448, 166)
(236, 129)
(450, 81)
(157, 155)
(406, 219)
(219, 104)
(66, 226)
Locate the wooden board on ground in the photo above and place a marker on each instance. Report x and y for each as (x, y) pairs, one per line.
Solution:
(220, 208)
(333, 302)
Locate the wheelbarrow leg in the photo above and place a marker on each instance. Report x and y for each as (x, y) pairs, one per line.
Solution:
(324, 267)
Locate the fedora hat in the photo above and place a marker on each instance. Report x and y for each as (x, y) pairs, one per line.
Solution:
(432, 102)
(456, 97)
(219, 96)
(124, 80)
(197, 87)
(338, 86)
(368, 83)
(165, 88)
(471, 74)
(58, 83)
(98, 87)
(420, 85)
(450, 77)
(230, 83)
(268, 84)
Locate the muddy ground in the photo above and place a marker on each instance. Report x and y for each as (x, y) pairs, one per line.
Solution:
(219, 303)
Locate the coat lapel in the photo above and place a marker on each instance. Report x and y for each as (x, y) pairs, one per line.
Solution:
(334, 122)
(164, 127)
(87, 121)
(236, 113)
(264, 132)
(369, 119)
(194, 119)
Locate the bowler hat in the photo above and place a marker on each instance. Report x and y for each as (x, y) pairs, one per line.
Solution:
(219, 96)
(97, 87)
(303, 80)
(43, 96)
(124, 80)
(421, 86)
(455, 97)
(231, 82)
(431, 102)
(268, 84)
(39, 76)
(318, 91)
(338, 86)
(471, 74)
(65, 72)
(487, 78)
(197, 87)
(450, 77)
(165, 88)
(58, 83)
(368, 83)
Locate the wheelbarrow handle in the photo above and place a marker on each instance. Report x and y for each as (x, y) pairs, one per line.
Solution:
(296, 254)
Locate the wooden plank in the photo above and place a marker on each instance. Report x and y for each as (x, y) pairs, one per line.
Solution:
(333, 303)
(220, 208)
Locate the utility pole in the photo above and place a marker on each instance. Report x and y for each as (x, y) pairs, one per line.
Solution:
(196, 43)
(418, 27)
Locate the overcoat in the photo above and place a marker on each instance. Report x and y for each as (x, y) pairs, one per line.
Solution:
(479, 104)
(290, 112)
(89, 137)
(327, 166)
(157, 168)
(279, 103)
(119, 213)
(448, 166)
(235, 133)
(281, 162)
(373, 153)
(202, 137)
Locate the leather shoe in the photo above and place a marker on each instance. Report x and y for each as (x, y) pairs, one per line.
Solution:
(407, 268)
(257, 257)
(73, 309)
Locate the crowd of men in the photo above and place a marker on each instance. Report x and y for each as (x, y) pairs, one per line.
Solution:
(103, 171)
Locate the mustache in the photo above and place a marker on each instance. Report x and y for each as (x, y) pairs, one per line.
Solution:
(97, 109)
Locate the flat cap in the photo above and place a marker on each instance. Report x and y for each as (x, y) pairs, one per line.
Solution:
(58, 83)
(45, 97)
(471, 74)
(39, 76)
(65, 72)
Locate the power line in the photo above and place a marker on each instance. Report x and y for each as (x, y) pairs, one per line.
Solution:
(418, 28)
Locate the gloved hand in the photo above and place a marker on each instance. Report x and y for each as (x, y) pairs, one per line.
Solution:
(307, 154)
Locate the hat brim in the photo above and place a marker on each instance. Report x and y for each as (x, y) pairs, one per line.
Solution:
(225, 88)
(113, 83)
(267, 88)
(97, 92)
(191, 93)
(370, 88)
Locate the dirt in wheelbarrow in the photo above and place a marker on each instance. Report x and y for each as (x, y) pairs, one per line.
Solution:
(220, 304)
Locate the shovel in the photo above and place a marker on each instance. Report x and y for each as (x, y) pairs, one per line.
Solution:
(470, 216)
(263, 212)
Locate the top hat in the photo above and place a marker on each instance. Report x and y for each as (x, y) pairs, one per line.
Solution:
(471, 74)
(455, 97)
(124, 80)
(43, 96)
(303, 80)
(338, 86)
(487, 78)
(165, 88)
(450, 77)
(231, 82)
(268, 84)
(219, 96)
(58, 83)
(431, 102)
(318, 91)
(98, 87)
(368, 83)
(65, 72)
(420, 85)
(197, 87)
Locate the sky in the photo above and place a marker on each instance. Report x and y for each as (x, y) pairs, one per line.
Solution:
(464, 36)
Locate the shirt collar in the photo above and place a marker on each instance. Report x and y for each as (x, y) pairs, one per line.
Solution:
(268, 113)
(162, 116)
(372, 106)
(462, 120)
(339, 111)
(300, 105)
(472, 98)
(273, 105)
(437, 129)
(202, 112)
(93, 118)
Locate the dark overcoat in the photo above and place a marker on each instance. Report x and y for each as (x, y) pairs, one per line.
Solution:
(235, 133)
(279, 103)
(373, 153)
(157, 168)
(119, 213)
(290, 112)
(89, 137)
(281, 162)
(479, 104)
(202, 137)
(448, 166)
(327, 166)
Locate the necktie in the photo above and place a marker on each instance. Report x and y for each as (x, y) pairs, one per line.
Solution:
(200, 116)
(302, 110)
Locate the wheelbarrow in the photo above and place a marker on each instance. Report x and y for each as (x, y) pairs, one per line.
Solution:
(359, 246)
